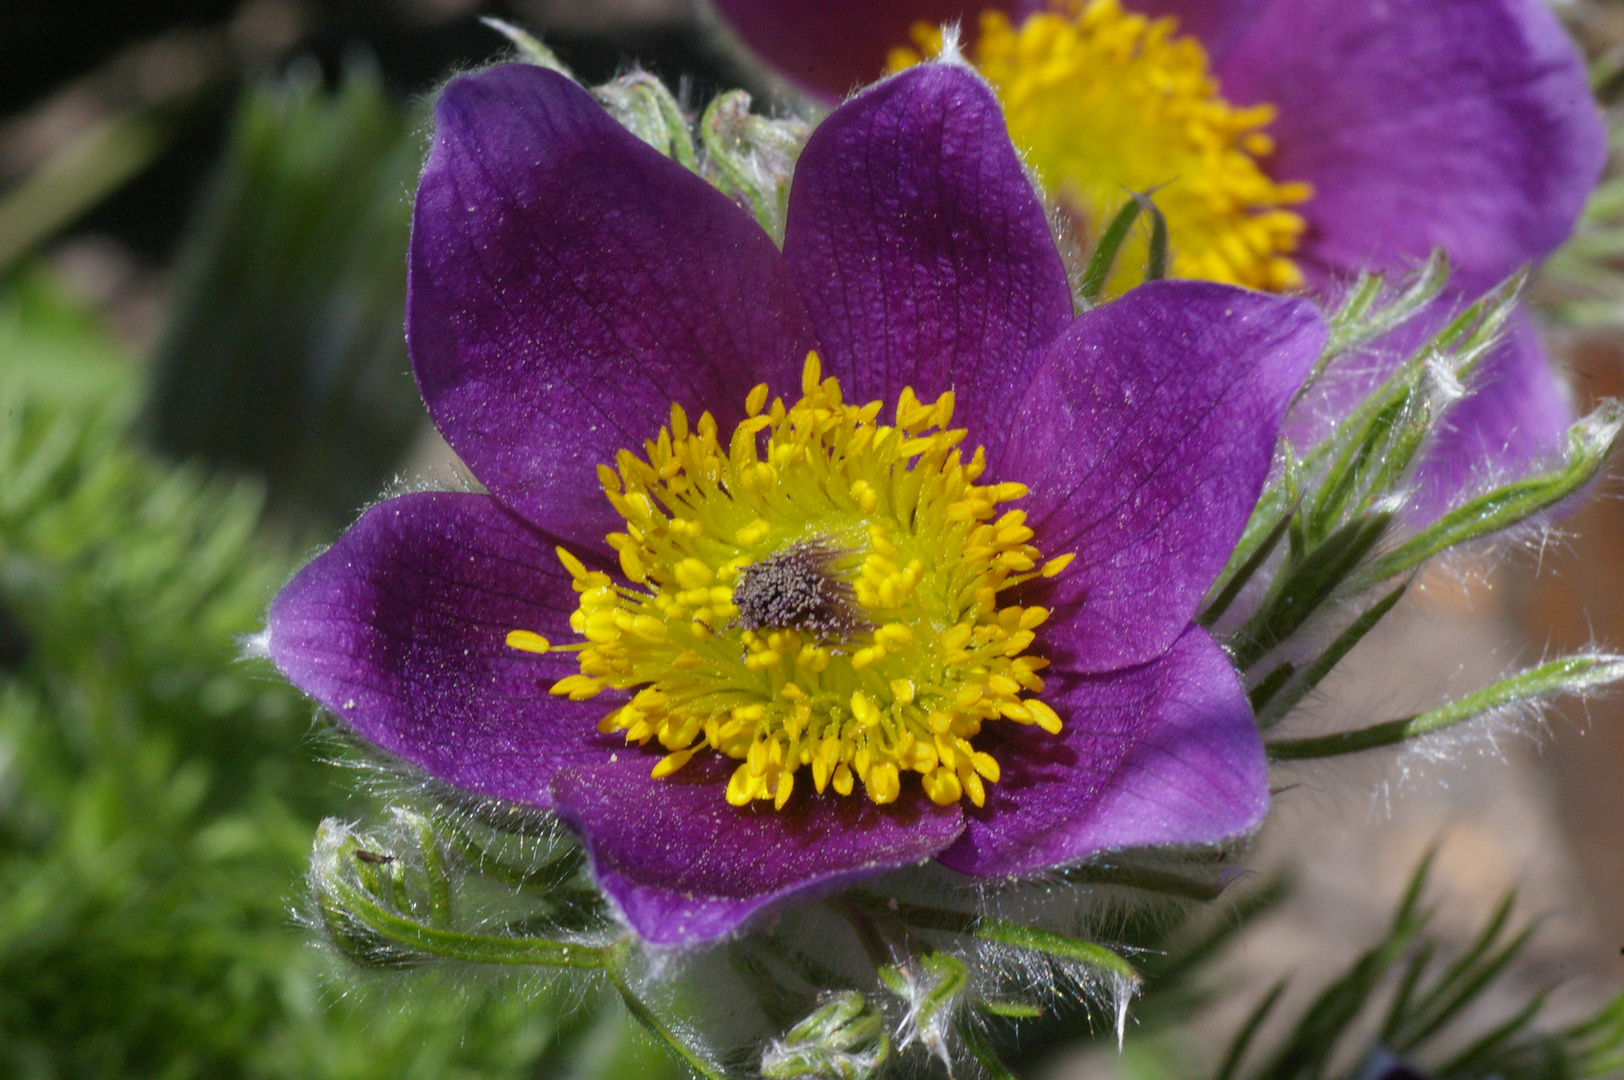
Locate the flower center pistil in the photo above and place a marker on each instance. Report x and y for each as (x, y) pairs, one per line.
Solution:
(819, 596)
(1104, 102)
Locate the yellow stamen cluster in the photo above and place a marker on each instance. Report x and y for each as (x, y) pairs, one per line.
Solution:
(892, 521)
(1104, 102)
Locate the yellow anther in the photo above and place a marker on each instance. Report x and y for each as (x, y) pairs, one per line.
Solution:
(575, 567)
(942, 786)
(973, 788)
(894, 636)
(528, 641)
(741, 786)
(863, 709)
(1057, 564)
(756, 400)
(753, 533)
(811, 374)
(671, 763)
(693, 574)
(1045, 717)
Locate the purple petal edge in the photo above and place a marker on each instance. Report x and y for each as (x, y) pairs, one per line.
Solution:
(683, 866)
(921, 250)
(1145, 440)
(399, 629)
(1166, 753)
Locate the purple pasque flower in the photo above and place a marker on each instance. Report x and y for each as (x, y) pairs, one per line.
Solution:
(597, 332)
(1292, 143)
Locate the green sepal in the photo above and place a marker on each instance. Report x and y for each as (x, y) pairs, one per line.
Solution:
(1304, 586)
(1100, 263)
(1362, 317)
(1098, 271)
(1570, 675)
(1590, 442)
(1272, 699)
(367, 908)
(1004, 932)
(531, 50)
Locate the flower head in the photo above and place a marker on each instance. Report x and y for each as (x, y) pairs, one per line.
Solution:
(1290, 143)
(801, 566)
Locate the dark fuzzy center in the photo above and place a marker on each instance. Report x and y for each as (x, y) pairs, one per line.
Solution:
(798, 589)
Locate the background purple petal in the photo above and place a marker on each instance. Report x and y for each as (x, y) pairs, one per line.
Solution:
(684, 866)
(399, 629)
(1166, 753)
(1462, 124)
(1217, 24)
(1145, 439)
(568, 283)
(921, 250)
(1515, 419)
(831, 47)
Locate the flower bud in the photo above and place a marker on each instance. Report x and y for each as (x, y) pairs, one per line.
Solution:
(932, 986)
(843, 1039)
(343, 870)
(751, 157)
(643, 106)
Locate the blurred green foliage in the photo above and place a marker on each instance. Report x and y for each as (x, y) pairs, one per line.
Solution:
(284, 352)
(157, 793)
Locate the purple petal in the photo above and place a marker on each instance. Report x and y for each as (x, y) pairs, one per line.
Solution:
(400, 630)
(1166, 753)
(921, 250)
(1515, 419)
(1145, 440)
(831, 47)
(684, 866)
(568, 283)
(1217, 24)
(1461, 124)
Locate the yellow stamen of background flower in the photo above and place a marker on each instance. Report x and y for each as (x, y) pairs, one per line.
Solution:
(1103, 102)
(817, 597)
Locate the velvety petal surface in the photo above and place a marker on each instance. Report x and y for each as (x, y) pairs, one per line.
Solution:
(921, 250)
(1217, 24)
(1166, 753)
(400, 630)
(1145, 440)
(1515, 419)
(830, 47)
(684, 866)
(568, 283)
(1462, 124)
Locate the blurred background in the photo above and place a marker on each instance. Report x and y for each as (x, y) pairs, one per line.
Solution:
(204, 207)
